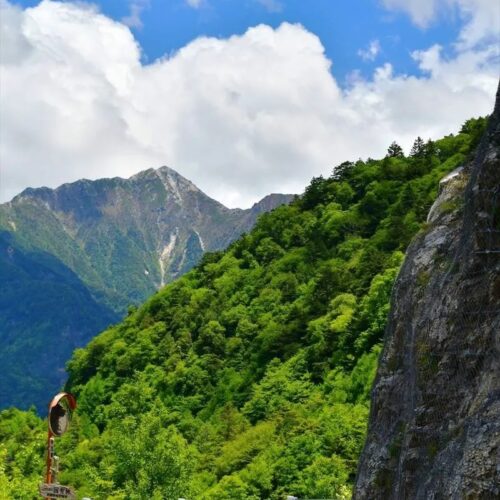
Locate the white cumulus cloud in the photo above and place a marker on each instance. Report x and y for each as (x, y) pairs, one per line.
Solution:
(241, 117)
(371, 52)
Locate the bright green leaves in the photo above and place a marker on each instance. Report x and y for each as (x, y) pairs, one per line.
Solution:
(149, 459)
(374, 308)
(283, 385)
(22, 440)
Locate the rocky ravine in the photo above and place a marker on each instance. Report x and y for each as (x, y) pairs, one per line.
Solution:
(434, 429)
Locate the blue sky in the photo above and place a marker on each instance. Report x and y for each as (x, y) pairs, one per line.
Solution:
(344, 27)
(242, 97)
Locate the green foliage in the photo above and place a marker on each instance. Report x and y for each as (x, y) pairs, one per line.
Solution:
(250, 376)
(22, 441)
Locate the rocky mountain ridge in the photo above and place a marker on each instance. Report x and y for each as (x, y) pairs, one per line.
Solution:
(128, 237)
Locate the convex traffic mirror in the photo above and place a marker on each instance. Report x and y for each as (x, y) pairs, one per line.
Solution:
(60, 410)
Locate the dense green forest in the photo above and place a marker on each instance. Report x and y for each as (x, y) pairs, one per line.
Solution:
(249, 377)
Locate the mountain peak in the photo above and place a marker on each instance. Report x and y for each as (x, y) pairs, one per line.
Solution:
(175, 182)
(151, 217)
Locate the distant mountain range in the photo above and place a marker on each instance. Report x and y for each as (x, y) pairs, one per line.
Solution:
(72, 260)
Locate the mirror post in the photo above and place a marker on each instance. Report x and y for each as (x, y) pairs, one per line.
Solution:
(59, 416)
(50, 455)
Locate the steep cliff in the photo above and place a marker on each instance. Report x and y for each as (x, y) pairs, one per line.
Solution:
(434, 428)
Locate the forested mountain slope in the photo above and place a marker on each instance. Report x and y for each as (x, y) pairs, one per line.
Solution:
(72, 260)
(249, 377)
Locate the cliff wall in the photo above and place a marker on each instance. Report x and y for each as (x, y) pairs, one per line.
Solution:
(434, 429)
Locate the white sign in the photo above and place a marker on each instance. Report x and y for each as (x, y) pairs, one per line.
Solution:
(56, 491)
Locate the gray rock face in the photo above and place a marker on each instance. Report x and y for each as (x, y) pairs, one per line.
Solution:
(434, 429)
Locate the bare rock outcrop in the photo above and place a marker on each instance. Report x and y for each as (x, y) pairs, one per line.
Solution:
(434, 428)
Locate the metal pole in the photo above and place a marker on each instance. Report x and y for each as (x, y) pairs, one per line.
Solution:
(50, 455)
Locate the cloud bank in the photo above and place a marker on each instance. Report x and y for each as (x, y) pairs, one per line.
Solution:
(241, 117)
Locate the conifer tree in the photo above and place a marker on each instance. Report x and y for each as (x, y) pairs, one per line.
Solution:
(418, 148)
(395, 151)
